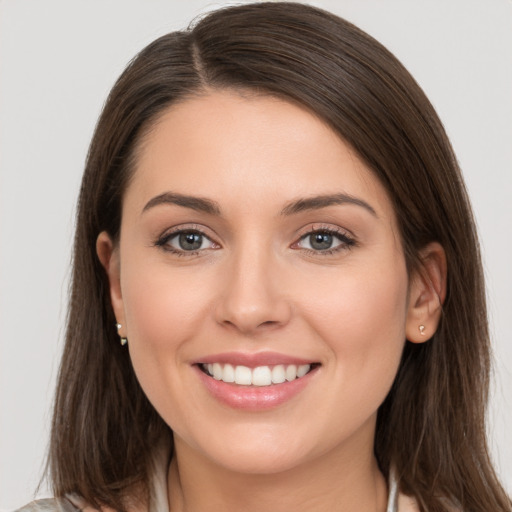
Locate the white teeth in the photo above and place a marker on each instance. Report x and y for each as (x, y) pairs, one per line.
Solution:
(303, 369)
(291, 372)
(259, 376)
(262, 376)
(229, 373)
(278, 374)
(217, 371)
(243, 375)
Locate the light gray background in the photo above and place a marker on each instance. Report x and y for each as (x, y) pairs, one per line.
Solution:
(58, 60)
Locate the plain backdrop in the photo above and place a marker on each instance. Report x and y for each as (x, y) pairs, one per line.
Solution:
(58, 60)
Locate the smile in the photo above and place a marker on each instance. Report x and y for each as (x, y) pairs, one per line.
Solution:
(255, 382)
(258, 376)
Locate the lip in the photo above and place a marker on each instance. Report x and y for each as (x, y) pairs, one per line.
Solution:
(254, 398)
(252, 360)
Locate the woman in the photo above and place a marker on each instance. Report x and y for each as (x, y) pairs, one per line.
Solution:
(277, 293)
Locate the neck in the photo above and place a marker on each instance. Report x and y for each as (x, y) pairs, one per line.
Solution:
(346, 478)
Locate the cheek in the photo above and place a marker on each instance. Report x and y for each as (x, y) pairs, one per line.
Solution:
(161, 306)
(362, 320)
(373, 309)
(164, 311)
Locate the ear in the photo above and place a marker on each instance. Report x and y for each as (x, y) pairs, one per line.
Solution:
(108, 254)
(426, 294)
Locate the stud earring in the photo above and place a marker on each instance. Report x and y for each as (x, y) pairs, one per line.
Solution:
(422, 330)
(123, 341)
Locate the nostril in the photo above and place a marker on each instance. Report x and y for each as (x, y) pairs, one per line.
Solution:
(269, 323)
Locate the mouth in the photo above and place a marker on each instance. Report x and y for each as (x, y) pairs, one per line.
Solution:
(259, 376)
(256, 381)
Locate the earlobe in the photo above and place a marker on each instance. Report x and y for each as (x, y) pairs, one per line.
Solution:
(108, 254)
(426, 294)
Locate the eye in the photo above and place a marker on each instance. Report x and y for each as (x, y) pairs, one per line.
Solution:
(320, 241)
(185, 241)
(325, 241)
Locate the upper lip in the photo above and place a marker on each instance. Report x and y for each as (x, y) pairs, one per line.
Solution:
(253, 360)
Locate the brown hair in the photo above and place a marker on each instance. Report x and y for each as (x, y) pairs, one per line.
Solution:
(431, 425)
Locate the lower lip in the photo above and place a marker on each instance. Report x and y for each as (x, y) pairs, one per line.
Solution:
(254, 397)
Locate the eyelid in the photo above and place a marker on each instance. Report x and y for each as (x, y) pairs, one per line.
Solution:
(347, 239)
(330, 228)
(163, 239)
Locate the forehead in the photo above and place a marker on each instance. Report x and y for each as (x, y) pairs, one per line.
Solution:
(230, 146)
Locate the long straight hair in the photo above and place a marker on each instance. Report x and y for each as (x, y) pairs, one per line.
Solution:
(431, 426)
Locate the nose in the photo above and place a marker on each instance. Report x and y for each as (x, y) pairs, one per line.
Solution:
(253, 298)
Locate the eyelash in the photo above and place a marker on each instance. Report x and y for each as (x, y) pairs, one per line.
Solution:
(347, 242)
(167, 237)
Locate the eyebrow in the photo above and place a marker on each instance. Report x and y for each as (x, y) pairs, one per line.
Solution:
(318, 202)
(211, 207)
(199, 204)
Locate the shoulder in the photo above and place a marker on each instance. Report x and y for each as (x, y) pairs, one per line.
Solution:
(68, 503)
(49, 505)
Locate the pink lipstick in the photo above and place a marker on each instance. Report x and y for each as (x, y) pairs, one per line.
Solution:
(255, 381)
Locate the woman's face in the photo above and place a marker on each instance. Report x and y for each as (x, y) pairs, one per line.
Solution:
(257, 246)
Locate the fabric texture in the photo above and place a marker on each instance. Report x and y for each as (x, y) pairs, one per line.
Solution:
(50, 505)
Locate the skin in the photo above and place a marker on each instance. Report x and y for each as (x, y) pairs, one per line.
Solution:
(257, 285)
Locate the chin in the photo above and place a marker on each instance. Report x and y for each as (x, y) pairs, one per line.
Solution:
(250, 449)
(254, 462)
